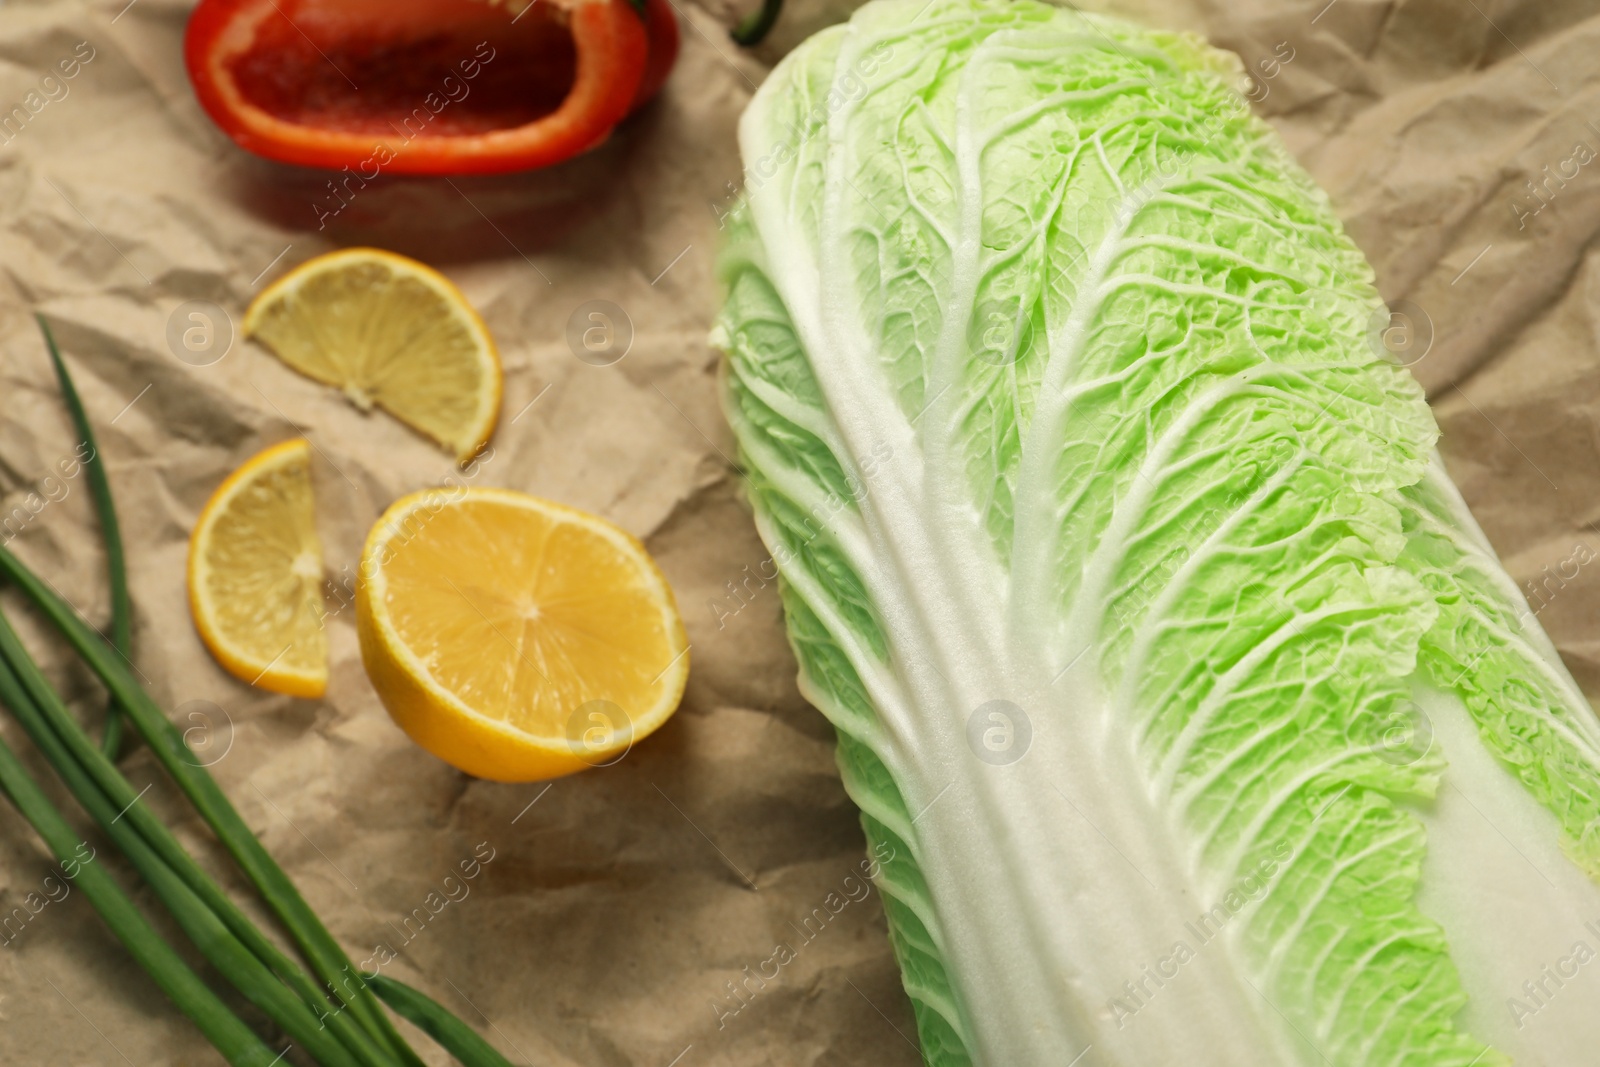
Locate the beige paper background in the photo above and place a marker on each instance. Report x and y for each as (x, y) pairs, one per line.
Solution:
(617, 905)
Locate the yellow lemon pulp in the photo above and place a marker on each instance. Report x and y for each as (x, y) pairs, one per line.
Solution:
(514, 638)
(392, 333)
(255, 574)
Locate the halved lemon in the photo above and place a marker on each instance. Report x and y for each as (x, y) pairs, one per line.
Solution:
(391, 333)
(255, 574)
(514, 638)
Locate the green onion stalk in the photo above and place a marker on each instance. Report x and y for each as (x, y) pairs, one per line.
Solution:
(110, 530)
(237, 1043)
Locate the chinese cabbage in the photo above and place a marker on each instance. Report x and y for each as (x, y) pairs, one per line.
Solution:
(1160, 650)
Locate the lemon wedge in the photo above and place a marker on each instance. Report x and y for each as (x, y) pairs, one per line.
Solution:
(514, 638)
(255, 574)
(390, 333)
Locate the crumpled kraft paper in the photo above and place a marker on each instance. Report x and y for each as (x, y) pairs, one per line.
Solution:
(635, 915)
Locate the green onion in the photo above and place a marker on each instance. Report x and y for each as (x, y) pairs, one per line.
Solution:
(327, 959)
(106, 509)
(191, 894)
(453, 1035)
(238, 1045)
(225, 951)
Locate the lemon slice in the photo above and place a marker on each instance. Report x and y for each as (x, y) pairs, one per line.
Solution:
(255, 574)
(391, 333)
(514, 638)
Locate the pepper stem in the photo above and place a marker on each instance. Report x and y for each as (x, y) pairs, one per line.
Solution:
(758, 23)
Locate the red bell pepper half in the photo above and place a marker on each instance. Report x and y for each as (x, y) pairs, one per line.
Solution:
(426, 86)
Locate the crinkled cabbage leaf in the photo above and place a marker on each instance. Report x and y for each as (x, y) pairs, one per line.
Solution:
(1199, 719)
